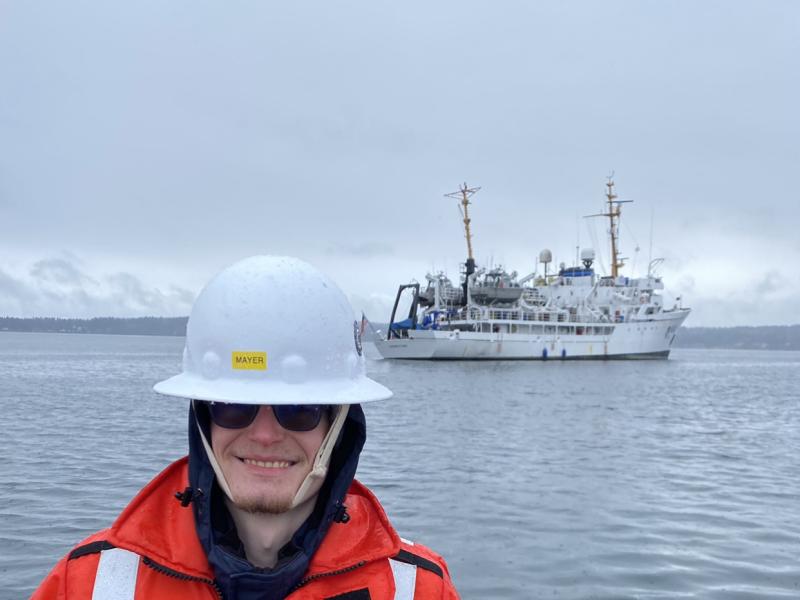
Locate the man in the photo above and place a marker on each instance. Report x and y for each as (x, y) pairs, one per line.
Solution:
(265, 506)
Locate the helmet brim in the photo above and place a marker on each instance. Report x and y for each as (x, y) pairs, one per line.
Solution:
(343, 391)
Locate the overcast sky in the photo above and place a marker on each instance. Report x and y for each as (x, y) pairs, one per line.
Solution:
(145, 145)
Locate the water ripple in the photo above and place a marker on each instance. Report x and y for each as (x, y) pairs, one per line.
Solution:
(622, 480)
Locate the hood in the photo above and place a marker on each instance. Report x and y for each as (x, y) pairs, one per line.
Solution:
(236, 576)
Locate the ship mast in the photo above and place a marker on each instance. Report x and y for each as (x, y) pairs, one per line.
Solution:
(613, 216)
(464, 193)
(614, 213)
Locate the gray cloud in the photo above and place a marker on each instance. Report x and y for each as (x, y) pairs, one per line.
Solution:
(377, 308)
(129, 291)
(59, 271)
(772, 282)
(15, 295)
(172, 159)
(726, 311)
(56, 286)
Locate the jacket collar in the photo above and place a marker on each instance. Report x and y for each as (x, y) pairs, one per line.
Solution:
(155, 525)
(366, 537)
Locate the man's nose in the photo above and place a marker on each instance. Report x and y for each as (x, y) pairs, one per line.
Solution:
(265, 428)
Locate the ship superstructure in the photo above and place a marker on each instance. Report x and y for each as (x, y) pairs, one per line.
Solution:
(568, 314)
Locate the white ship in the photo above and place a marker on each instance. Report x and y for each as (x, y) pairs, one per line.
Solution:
(574, 314)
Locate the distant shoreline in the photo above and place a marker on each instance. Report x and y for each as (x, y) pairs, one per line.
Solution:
(767, 337)
(172, 326)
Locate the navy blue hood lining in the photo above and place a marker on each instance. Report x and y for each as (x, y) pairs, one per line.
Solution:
(237, 578)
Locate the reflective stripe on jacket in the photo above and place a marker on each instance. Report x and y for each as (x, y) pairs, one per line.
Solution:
(152, 553)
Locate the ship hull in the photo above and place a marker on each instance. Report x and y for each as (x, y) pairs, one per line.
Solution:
(650, 339)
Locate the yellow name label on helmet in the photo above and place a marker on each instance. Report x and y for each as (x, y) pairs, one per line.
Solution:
(251, 361)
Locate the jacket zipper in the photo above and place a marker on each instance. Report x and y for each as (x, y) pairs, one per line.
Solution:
(182, 576)
(311, 578)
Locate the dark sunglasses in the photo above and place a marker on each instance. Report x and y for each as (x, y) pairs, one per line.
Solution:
(294, 417)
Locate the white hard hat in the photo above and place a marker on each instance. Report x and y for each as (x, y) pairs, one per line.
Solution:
(273, 330)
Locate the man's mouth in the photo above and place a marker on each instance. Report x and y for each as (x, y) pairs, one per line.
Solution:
(267, 464)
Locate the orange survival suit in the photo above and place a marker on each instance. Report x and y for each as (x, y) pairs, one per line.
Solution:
(161, 548)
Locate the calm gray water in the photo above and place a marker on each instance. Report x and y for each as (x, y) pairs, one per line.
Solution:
(573, 480)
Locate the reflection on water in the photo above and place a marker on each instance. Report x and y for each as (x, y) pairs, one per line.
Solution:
(663, 479)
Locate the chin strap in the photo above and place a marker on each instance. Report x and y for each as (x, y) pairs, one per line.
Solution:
(212, 459)
(313, 481)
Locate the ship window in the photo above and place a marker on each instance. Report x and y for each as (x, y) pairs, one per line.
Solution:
(549, 328)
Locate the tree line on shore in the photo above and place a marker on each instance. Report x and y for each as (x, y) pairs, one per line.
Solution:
(778, 337)
(110, 325)
(771, 337)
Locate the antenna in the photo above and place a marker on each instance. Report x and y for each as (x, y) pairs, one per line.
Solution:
(464, 193)
(614, 213)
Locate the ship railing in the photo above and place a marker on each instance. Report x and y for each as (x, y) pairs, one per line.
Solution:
(476, 314)
(553, 315)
